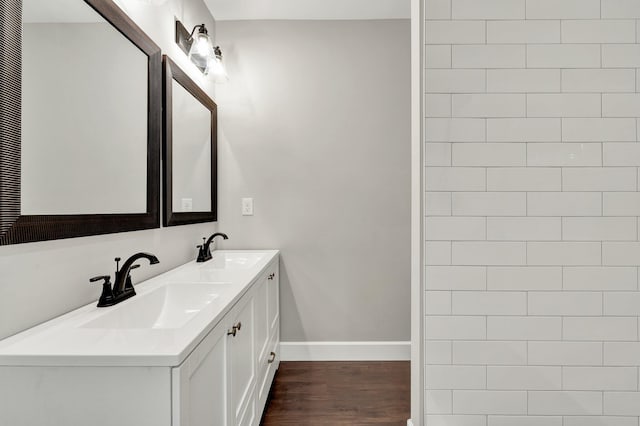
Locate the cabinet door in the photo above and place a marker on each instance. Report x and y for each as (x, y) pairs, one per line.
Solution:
(200, 384)
(273, 299)
(262, 324)
(269, 360)
(241, 357)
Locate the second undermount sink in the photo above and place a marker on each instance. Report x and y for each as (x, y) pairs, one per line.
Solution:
(168, 307)
(234, 260)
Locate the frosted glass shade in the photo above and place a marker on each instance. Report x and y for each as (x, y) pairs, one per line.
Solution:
(216, 70)
(201, 50)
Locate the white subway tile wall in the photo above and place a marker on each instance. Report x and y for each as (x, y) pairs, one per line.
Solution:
(532, 118)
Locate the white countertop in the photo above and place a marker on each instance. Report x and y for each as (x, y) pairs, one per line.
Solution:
(66, 341)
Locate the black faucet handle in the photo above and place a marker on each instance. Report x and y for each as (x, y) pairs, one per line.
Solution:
(128, 283)
(106, 298)
(106, 278)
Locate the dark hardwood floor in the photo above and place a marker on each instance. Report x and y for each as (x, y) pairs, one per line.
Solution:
(340, 393)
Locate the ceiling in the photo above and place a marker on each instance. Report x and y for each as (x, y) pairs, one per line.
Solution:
(226, 10)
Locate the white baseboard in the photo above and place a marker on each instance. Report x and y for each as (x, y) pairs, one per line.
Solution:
(345, 351)
(409, 422)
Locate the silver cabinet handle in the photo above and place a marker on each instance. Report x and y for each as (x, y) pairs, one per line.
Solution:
(234, 330)
(272, 358)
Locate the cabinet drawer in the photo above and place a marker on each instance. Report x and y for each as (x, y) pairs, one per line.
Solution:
(267, 370)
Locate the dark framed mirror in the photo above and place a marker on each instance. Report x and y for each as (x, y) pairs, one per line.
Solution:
(81, 111)
(189, 150)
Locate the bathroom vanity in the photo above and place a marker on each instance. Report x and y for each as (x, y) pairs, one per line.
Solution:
(197, 345)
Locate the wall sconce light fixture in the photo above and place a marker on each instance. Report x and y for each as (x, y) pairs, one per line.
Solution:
(198, 46)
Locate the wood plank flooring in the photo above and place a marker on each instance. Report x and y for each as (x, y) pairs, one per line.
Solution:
(340, 393)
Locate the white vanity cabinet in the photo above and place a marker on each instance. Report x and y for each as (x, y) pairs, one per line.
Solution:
(225, 381)
(215, 369)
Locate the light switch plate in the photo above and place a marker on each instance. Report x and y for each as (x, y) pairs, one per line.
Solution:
(247, 207)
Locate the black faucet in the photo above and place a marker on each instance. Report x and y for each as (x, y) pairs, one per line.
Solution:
(123, 287)
(204, 253)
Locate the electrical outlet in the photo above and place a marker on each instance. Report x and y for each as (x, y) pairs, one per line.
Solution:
(187, 204)
(247, 207)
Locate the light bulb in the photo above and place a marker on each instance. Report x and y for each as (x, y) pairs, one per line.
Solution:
(215, 68)
(201, 49)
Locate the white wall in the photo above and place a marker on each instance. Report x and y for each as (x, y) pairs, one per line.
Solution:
(532, 208)
(40, 281)
(315, 126)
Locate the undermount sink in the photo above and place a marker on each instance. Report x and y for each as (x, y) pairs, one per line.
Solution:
(168, 307)
(234, 260)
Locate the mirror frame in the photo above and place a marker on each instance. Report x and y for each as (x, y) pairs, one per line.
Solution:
(16, 228)
(173, 72)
